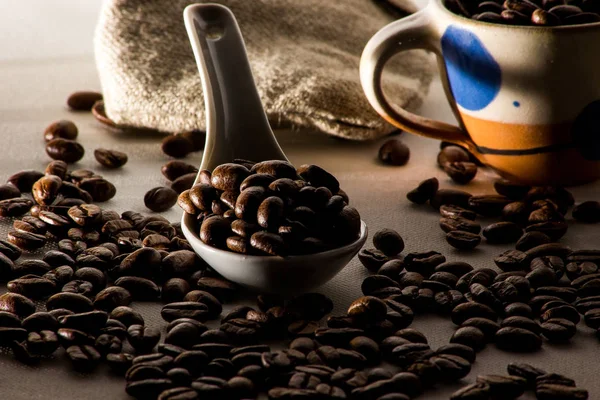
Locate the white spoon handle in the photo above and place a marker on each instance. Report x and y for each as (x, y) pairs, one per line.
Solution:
(236, 124)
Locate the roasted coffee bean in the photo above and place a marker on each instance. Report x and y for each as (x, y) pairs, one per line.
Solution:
(558, 329)
(175, 168)
(394, 152)
(71, 301)
(107, 344)
(517, 212)
(521, 322)
(367, 309)
(32, 286)
(474, 391)
(119, 362)
(512, 260)
(218, 287)
(452, 154)
(85, 214)
(160, 198)
(176, 146)
(372, 259)
(26, 240)
(142, 338)
(389, 242)
(269, 243)
(391, 268)
(100, 189)
(423, 263)
(83, 100)
(66, 150)
(317, 177)
(469, 336)
(460, 350)
(502, 232)
(141, 289)
(517, 339)
(509, 387)
(185, 309)
(465, 311)
(461, 172)
(510, 189)
(554, 229)
(463, 240)
(17, 304)
(424, 191)
(450, 197)
(228, 177)
(174, 290)
(24, 180)
(80, 287)
(531, 240)
(588, 211)
(110, 158)
(43, 342)
(112, 297)
(560, 392)
(518, 309)
(450, 211)
(15, 207)
(183, 182)
(63, 129)
(215, 230)
(83, 357)
(488, 327)
(526, 371)
(453, 223)
(127, 316)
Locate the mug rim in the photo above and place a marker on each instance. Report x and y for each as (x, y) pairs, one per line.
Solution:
(560, 28)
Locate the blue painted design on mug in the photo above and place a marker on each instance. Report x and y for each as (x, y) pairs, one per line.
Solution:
(474, 75)
(516, 104)
(586, 131)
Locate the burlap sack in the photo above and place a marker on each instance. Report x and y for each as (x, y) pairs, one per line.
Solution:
(304, 56)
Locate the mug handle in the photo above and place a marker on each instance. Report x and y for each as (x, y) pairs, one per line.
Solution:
(413, 32)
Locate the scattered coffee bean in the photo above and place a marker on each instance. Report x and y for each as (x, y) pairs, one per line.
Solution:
(394, 152)
(110, 158)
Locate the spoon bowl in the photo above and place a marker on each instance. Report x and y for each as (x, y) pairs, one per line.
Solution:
(285, 275)
(237, 127)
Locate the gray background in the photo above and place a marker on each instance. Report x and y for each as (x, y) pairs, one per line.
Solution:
(46, 53)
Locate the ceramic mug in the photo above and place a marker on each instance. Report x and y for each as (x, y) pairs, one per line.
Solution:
(527, 98)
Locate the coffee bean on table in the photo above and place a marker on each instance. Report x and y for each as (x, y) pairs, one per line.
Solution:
(450, 211)
(463, 240)
(83, 100)
(461, 172)
(388, 241)
(588, 211)
(100, 189)
(454, 223)
(424, 191)
(177, 146)
(474, 391)
(517, 339)
(111, 298)
(63, 129)
(394, 152)
(160, 198)
(508, 387)
(451, 154)
(560, 392)
(46, 189)
(450, 197)
(469, 336)
(66, 150)
(502, 232)
(26, 240)
(110, 158)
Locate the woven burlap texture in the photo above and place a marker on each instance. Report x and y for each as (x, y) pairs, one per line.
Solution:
(304, 56)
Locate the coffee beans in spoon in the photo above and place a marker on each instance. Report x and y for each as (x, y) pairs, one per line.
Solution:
(526, 12)
(270, 208)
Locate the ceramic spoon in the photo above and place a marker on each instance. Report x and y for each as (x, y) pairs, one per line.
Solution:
(237, 127)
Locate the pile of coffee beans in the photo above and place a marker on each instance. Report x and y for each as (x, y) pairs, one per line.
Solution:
(528, 12)
(270, 208)
(520, 378)
(524, 212)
